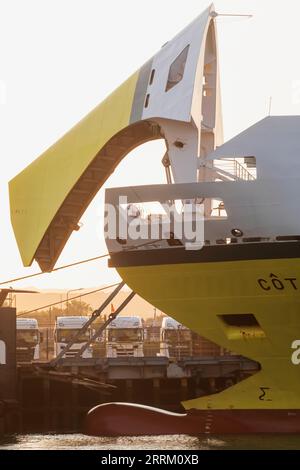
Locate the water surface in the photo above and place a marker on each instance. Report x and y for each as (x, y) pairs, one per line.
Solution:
(178, 442)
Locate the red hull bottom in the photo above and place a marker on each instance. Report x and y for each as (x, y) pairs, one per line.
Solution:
(124, 419)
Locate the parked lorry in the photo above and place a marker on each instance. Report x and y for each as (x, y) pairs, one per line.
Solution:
(125, 337)
(175, 339)
(65, 330)
(28, 339)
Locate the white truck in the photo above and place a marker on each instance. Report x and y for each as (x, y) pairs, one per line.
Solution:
(28, 340)
(65, 330)
(175, 339)
(125, 337)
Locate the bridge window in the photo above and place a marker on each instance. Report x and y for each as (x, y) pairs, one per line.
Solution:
(177, 69)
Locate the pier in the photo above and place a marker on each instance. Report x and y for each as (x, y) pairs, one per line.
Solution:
(54, 395)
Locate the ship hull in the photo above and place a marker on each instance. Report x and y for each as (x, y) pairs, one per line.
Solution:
(200, 290)
(120, 419)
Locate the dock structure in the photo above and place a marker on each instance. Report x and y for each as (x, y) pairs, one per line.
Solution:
(63, 396)
(55, 395)
(120, 368)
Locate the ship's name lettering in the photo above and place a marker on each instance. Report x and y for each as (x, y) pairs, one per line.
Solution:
(278, 283)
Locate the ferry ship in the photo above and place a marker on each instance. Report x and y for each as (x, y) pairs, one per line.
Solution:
(241, 289)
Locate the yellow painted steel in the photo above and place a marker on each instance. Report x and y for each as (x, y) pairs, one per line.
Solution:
(38, 191)
(199, 294)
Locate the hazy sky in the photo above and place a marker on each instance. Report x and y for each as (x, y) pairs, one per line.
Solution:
(60, 58)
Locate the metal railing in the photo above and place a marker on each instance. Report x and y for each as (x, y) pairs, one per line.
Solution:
(232, 168)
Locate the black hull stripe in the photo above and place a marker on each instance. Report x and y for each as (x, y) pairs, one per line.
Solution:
(208, 254)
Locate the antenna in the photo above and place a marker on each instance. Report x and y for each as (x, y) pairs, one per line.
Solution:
(270, 105)
(214, 14)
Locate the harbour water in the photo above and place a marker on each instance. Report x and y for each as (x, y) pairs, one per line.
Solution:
(179, 442)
